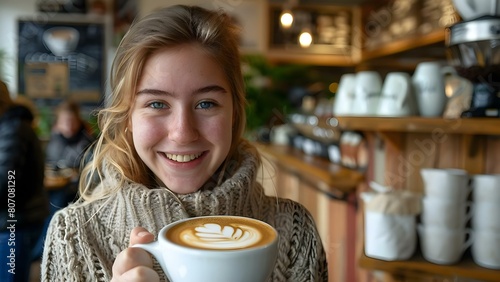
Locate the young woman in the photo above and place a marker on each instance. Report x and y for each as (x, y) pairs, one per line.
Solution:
(171, 147)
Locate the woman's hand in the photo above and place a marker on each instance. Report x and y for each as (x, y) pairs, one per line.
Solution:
(135, 264)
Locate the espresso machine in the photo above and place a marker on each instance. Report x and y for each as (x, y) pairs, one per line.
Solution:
(473, 48)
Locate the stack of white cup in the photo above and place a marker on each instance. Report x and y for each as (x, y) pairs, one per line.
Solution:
(443, 231)
(486, 220)
(358, 94)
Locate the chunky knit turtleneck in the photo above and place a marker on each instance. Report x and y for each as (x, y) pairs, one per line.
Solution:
(83, 240)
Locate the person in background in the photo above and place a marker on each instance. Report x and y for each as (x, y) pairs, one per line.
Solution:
(69, 140)
(171, 147)
(24, 202)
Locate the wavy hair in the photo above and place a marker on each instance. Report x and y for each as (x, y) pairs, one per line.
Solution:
(216, 33)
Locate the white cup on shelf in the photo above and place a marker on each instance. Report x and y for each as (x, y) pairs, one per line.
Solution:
(428, 84)
(445, 213)
(344, 97)
(396, 99)
(448, 183)
(368, 86)
(442, 245)
(486, 216)
(486, 188)
(486, 249)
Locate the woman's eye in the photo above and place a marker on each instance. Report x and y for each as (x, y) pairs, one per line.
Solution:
(205, 105)
(157, 105)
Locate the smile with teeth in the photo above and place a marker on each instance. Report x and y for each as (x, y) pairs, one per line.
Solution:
(183, 158)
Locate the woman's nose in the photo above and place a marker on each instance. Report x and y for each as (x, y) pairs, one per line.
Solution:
(183, 129)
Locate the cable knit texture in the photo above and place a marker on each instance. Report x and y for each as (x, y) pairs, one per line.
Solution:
(84, 240)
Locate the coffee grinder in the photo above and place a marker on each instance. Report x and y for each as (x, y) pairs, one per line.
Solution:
(473, 48)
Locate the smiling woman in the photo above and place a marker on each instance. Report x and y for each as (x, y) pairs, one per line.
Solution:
(186, 117)
(170, 148)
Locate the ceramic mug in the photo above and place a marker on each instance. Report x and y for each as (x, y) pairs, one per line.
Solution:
(368, 86)
(445, 213)
(486, 188)
(486, 249)
(428, 85)
(216, 249)
(397, 96)
(451, 184)
(485, 216)
(442, 245)
(344, 97)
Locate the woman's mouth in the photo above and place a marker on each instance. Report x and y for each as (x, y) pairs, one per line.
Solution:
(183, 158)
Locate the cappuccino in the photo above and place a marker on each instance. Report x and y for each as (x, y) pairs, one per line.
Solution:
(216, 249)
(221, 233)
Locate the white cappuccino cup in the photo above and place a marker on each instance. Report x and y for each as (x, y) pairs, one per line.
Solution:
(216, 249)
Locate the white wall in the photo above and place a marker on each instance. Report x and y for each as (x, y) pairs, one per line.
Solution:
(10, 10)
(250, 13)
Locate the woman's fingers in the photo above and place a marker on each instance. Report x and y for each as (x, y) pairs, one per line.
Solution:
(140, 235)
(135, 264)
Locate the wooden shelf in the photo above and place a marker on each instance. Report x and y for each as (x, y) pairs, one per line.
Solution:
(418, 266)
(291, 57)
(337, 180)
(403, 45)
(415, 47)
(465, 126)
(474, 126)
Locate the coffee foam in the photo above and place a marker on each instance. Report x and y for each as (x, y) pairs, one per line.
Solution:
(221, 233)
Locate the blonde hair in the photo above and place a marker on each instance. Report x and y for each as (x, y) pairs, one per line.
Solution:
(215, 32)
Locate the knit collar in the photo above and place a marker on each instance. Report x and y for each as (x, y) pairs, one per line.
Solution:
(233, 196)
(238, 194)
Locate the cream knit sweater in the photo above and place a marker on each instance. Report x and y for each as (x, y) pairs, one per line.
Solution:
(83, 240)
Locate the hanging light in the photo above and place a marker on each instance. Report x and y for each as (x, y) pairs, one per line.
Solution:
(286, 19)
(305, 39)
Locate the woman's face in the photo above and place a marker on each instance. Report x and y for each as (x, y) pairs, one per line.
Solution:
(182, 117)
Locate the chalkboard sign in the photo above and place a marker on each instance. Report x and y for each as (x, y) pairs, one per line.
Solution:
(45, 46)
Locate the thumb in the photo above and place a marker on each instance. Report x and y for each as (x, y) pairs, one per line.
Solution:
(140, 235)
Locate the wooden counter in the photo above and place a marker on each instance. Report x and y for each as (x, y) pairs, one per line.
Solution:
(334, 180)
(418, 266)
(55, 183)
(327, 191)
(54, 180)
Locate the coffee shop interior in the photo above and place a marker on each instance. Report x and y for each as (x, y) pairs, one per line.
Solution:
(380, 117)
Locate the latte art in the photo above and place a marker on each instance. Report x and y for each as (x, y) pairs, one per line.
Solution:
(230, 233)
(213, 235)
